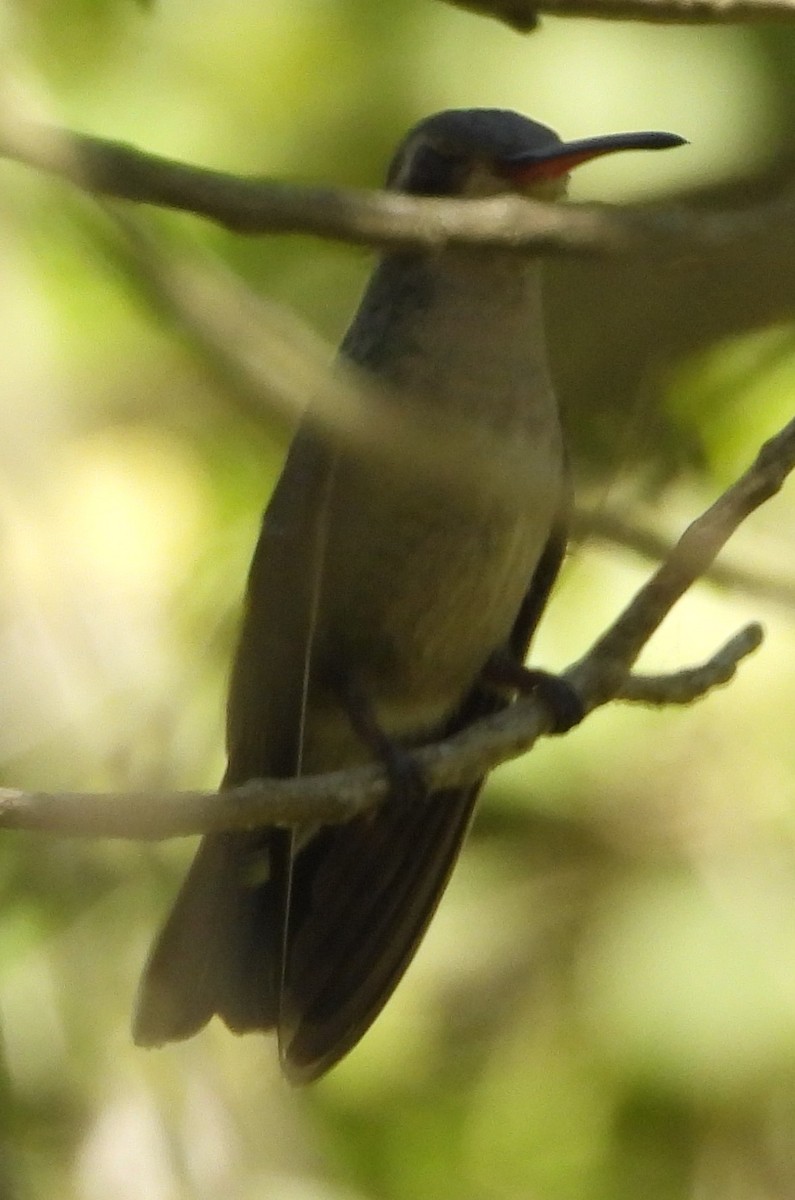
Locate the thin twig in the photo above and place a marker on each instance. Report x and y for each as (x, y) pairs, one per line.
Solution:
(694, 682)
(615, 652)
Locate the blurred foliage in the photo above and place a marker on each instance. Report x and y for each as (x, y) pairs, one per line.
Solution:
(605, 1005)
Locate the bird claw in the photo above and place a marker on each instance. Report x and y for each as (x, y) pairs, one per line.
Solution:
(565, 706)
(558, 695)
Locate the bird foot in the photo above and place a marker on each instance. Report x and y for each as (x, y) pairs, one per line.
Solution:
(407, 784)
(565, 706)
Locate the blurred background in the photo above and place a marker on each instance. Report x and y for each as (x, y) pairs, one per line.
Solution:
(605, 1005)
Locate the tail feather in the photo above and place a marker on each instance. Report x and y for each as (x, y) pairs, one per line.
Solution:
(363, 895)
(219, 950)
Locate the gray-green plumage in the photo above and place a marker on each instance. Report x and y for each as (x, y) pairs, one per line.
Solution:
(371, 576)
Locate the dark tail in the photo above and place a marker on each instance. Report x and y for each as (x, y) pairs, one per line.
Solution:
(362, 897)
(220, 951)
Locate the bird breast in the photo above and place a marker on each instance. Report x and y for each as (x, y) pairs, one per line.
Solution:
(423, 578)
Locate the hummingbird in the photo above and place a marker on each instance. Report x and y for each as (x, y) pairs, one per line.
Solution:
(385, 609)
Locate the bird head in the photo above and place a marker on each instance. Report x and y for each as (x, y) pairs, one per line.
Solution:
(489, 151)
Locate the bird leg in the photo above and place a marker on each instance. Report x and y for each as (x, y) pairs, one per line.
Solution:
(406, 779)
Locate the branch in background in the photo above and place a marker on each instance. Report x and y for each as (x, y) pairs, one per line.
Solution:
(610, 527)
(282, 364)
(256, 206)
(522, 15)
(602, 675)
(277, 362)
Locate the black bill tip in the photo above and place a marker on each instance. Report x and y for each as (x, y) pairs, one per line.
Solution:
(558, 158)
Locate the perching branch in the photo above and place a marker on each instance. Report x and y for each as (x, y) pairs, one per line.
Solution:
(339, 796)
(256, 206)
(522, 15)
(602, 675)
(618, 649)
